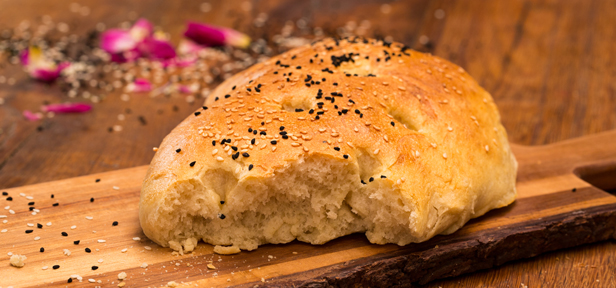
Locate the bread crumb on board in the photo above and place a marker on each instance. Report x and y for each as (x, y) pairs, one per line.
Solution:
(226, 250)
(18, 260)
(172, 284)
(122, 276)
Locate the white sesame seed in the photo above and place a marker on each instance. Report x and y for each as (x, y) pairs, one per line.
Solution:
(147, 248)
(214, 151)
(385, 137)
(335, 134)
(306, 149)
(124, 250)
(48, 223)
(3, 231)
(22, 194)
(322, 130)
(89, 217)
(220, 159)
(11, 212)
(355, 129)
(101, 241)
(295, 144)
(73, 227)
(30, 225)
(44, 268)
(449, 129)
(91, 280)
(273, 148)
(445, 155)
(116, 188)
(401, 88)
(100, 260)
(136, 238)
(29, 197)
(487, 148)
(37, 238)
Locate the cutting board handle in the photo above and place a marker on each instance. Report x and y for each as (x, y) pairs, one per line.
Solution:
(592, 158)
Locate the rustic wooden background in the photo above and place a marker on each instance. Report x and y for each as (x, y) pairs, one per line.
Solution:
(550, 65)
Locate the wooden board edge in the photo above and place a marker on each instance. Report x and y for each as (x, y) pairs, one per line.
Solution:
(495, 248)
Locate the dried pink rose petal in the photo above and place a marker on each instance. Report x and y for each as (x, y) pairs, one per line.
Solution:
(39, 67)
(32, 116)
(117, 41)
(140, 85)
(209, 35)
(156, 49)
(138, 41)
(188, 47)
(67, 108)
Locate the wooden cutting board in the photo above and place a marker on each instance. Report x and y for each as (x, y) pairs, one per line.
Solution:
(555, 209)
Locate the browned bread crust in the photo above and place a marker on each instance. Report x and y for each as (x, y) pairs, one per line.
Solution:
(369, 136)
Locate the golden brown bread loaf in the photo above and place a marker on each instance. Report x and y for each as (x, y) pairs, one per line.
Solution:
(329, 139)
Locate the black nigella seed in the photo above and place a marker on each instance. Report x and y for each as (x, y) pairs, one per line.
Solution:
(273, 142)
(64, 234)
(222, 216)
(97, 180)
(253, 141)
(393, 124)
(204, 107)
(92, 199)
(574, 189)
(362, 182)
(345, 156)
(88, 250)
(70, 280)
(178, 150)
(39, 225)
(55, 267)
(115, 223)
(94, 267)
(227, 96)
(245, 154)
(250, 167)
(5, 193)
(42, 249)
(76, 242)
(52, 196)
(222, 202)
(197, 113)
(249, 130)
(30, 203)
(337, 148)
(281, 128)
(29, 231)
(192, 164)
(9, 198)
(383, 176)
(32, 208)
(371, 179)
(55, 204)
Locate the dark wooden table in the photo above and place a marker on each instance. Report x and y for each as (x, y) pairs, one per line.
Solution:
(550, 65)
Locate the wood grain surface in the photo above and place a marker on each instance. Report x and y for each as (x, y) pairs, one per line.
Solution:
(548, 64)
(555, 209)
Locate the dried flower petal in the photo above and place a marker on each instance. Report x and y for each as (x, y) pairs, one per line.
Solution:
(140, 85)
(117, 41)
(39, 67)
(32, 116)
(67, 108)
(209, 35)
(156, 49)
